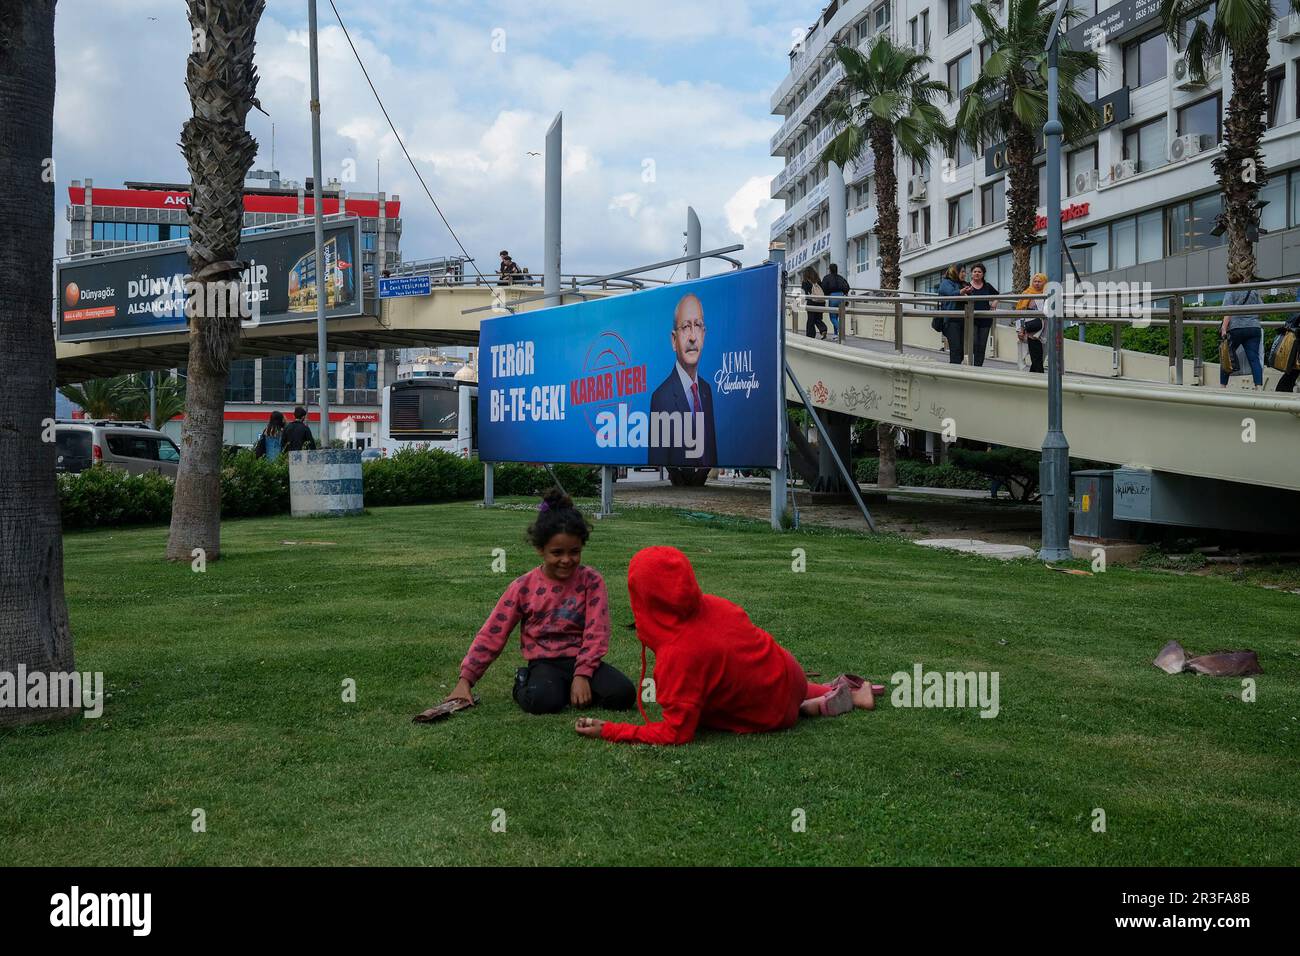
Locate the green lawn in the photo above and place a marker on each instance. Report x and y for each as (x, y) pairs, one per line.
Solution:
(226, 695)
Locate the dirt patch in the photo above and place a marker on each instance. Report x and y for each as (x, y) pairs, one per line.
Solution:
(914, 514)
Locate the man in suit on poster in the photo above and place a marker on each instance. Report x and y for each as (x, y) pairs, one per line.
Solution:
(683, 391)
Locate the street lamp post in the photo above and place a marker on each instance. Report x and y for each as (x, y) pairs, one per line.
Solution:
(1078, 244)
(1054, 476)
(322, 356)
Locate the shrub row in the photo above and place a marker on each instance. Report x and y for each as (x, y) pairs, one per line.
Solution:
(251, 486)
(922, 474)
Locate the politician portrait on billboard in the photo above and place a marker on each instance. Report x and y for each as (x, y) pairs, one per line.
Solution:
(596, 383)
(685, 390)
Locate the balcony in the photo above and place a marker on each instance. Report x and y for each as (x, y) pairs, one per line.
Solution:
(795, 121)
(806, 157)
(815, 47)
(860, 220)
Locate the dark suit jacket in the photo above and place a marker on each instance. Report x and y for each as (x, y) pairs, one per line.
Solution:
(669, 397)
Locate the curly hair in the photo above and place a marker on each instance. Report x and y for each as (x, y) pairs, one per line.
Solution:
(557, 515)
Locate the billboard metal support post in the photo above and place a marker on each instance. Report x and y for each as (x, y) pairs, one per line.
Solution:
(692, 244)
(606, 491)
(778, 474)
(830, 446)
(489, 492)
(322, 356)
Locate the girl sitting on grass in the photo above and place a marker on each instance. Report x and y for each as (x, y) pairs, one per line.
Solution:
(713, 666)
(563, 611)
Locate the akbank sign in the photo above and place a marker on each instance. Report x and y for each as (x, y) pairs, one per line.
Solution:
(684, 375)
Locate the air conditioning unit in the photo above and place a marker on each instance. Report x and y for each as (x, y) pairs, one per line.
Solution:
(1185, 146)
(1183, 79)
(1288, 27)
(916, 188)
(912, 242)
(1123, 170)
(1085, 181)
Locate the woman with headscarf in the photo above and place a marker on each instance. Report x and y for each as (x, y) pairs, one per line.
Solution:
(1031, 330)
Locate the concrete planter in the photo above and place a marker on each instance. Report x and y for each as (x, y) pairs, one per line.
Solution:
(326, 482)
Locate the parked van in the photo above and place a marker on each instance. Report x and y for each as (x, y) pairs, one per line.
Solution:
(133, 447)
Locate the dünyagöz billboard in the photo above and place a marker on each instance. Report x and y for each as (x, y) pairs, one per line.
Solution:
(686, 375)
(141, 293)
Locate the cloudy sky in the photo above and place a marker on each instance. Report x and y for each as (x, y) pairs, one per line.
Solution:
(665, 105)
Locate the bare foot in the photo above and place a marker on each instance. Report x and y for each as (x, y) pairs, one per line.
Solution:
(864, 698)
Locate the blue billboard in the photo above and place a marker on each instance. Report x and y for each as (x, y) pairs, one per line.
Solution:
(685, 375)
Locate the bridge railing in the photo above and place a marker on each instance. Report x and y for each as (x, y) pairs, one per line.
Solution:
(1114, 308)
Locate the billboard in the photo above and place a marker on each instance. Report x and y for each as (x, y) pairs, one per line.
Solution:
(686, 375)
(143, 293)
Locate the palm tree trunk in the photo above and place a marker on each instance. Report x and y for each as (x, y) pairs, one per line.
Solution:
(1240, 164)
(1022, 203)
(882, 148)
(34, 628)
(222, 84)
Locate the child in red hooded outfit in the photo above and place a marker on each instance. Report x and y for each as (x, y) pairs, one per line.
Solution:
(713, 666)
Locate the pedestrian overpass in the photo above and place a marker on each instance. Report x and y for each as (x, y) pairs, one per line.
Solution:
(1130, 408)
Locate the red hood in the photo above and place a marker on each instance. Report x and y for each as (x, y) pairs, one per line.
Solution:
(664, 593)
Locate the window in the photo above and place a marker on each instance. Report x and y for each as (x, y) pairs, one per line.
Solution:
(1095, 258)
(1201, 118)
(313, 378)
(1273, 216)
(124, 445)
(1144, 60)
(239, 387)
(961, 153)
(1204, 15)
(882, 17)
(97, 230)
(280, 379)
(958, 14)
(1085, 84)
(167, 451)
(913, 36)
(1150, 236)
(920, 221)
(993, 202)
(1189, 224)
(1041, 195)
(925, 28)
(1276, 79)
(368, 241)
(360, 377)
(986, 48)
(1145, 145)
(1079, 164)
(861, 255)
(959, 73)
(960, 215)
(1123, 234)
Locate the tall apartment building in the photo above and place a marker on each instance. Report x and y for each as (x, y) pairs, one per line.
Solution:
(1140, 189)
(110, 220)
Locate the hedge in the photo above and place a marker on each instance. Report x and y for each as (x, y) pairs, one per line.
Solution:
(920, 474)
(251, 486)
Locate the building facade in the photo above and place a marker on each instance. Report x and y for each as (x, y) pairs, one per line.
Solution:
(1139, 191)
(110, 220)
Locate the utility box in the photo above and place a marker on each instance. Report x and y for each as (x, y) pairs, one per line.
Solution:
(1094, 515)
(1158, 497)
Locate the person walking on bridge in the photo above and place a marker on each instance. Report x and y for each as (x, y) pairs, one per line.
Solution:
(813, 302)
(1243, 331)
(836, 287)
(1030, 330)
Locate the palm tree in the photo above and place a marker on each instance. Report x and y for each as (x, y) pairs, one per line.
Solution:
(34, 630)
(98, 398)
(169, 399)
(222, 83)
(1008, 102)
(891, 102)
(1242, 27)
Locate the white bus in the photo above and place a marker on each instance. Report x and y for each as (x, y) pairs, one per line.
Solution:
(429, 413)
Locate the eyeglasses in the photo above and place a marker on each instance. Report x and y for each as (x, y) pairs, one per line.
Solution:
(696, 327)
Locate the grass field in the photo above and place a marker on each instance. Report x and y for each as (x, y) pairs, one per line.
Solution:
(226, 696)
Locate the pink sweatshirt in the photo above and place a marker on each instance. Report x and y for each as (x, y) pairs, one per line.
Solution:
(569, 619)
